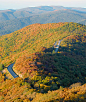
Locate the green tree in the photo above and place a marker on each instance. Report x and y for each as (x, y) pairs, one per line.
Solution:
(1, 67)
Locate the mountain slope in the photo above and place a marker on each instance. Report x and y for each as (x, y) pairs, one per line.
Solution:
(9, 26)
(44, 74)
(26, 38)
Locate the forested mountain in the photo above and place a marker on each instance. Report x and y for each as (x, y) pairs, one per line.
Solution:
(12, 20)
(44, 75)
(26, 12)
(9, 26)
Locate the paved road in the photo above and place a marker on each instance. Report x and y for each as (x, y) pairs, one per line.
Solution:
(11, 71)
(57, 47)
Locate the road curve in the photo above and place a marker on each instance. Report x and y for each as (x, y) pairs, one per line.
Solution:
(11, 71)
(11, 65)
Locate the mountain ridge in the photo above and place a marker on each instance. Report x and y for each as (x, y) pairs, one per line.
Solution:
(48, 17)
(25, 12)
(35, 29)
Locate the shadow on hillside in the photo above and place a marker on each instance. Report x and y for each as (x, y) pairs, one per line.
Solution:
(61, 69)
(49, 50)
(69, 65)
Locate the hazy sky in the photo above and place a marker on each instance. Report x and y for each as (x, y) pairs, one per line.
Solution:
(17, 4)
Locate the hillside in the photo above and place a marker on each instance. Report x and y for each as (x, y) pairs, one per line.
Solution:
(9, 26)
(44, 75)
(28, 37)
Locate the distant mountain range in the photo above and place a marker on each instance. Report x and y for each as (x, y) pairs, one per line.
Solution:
(12, 20)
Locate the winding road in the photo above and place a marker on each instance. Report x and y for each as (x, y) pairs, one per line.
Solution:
(11, 65)
(11, 70)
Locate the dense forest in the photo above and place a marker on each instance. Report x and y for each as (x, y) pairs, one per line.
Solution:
(44, 75)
